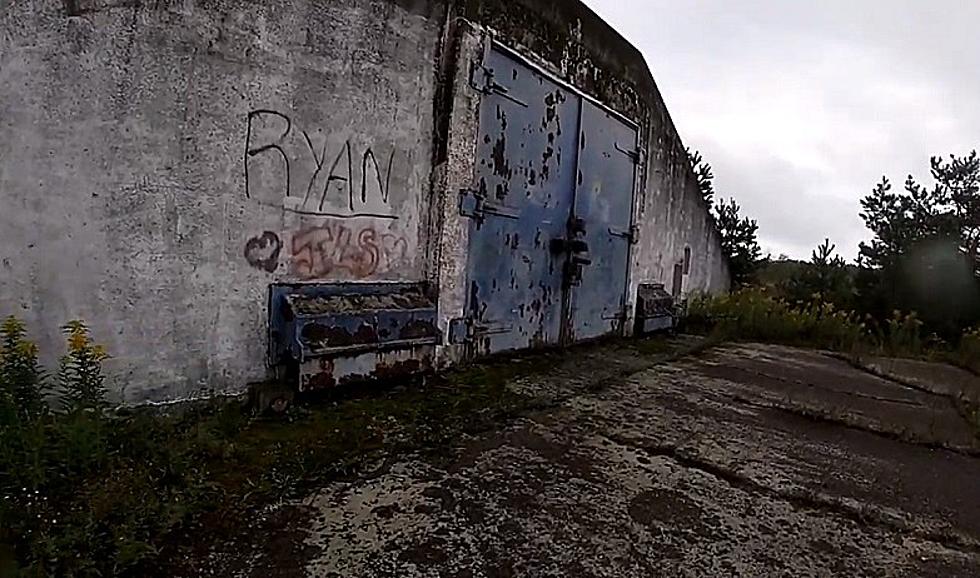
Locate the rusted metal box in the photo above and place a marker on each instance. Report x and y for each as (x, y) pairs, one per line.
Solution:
(330, 334)
(655, 310)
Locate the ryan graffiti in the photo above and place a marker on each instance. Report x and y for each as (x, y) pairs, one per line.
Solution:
(311, 177)
(335, 250)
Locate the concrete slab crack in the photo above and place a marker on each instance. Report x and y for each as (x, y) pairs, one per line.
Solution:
(830, 389)
(858, 512)
(963, 406)
(829, 418)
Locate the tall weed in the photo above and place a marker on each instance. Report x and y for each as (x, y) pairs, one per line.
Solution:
(968, 352)
(21, 378)
(753, 314)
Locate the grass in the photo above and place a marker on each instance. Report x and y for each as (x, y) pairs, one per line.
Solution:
(95, 493)
(967, 354)
(88, 492)
(755, 315)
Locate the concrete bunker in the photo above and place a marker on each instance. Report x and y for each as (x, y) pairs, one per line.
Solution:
(230, 191)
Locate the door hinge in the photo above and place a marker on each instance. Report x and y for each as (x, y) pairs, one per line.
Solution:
(637, 155)
(459, 330)
(465, 329)
(474, 205)
(620, 315)
(484, 80)
(632, 235)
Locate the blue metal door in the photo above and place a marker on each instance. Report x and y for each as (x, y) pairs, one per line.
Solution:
(548, 250)
(525, 181)
(603, 205)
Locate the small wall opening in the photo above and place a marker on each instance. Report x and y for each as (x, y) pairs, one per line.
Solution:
(678, 279)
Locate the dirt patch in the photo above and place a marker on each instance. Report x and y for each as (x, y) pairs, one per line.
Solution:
(665, 508)
(273, 545)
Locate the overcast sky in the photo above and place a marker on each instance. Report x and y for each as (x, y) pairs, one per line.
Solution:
(802, 106)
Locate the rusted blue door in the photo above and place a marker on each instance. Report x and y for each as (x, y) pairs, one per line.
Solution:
(604, 205)
(550, 214)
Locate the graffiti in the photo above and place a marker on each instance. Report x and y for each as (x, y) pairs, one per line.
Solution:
(340, 185)
(334, 249)
(262, 252)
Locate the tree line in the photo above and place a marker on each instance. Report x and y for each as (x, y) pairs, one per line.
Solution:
(923, 254)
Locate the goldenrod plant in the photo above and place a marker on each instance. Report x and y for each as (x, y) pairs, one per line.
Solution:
(20, 374)
(80, 374)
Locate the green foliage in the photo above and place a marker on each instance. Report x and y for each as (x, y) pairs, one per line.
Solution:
(826, 277)
(20, 374)
(901, 334)
(924, 254)
(739, 241)
(968, 351)
(948, 210)
(705, 178)
(754, 314)
(739, 235)
(43, 455)
(80, 375)
(88, 493)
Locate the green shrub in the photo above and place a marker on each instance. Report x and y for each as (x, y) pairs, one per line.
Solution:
(44, 456)
(753, 314)
(902, 335)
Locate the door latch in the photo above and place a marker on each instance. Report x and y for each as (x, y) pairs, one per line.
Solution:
(568, 246)
(575, 249)
(637, 155)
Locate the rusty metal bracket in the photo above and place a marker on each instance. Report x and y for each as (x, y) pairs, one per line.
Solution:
(632, 235)
(637, 155)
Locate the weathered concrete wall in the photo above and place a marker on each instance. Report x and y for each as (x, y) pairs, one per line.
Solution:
(676, 231)
(161, 163)
(456, 169)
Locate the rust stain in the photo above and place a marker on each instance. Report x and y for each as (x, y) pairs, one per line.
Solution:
(326, 335)
(323, 378)
(418, 329)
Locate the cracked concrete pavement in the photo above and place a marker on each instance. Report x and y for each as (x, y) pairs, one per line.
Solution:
(743, 460)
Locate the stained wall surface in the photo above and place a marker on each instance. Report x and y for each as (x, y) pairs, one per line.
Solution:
(162, 163)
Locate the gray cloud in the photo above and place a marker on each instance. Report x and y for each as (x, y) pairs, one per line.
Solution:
(801, 107)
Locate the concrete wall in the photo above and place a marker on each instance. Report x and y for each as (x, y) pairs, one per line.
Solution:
(162, 163)
(675, 225)
(144, 154)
